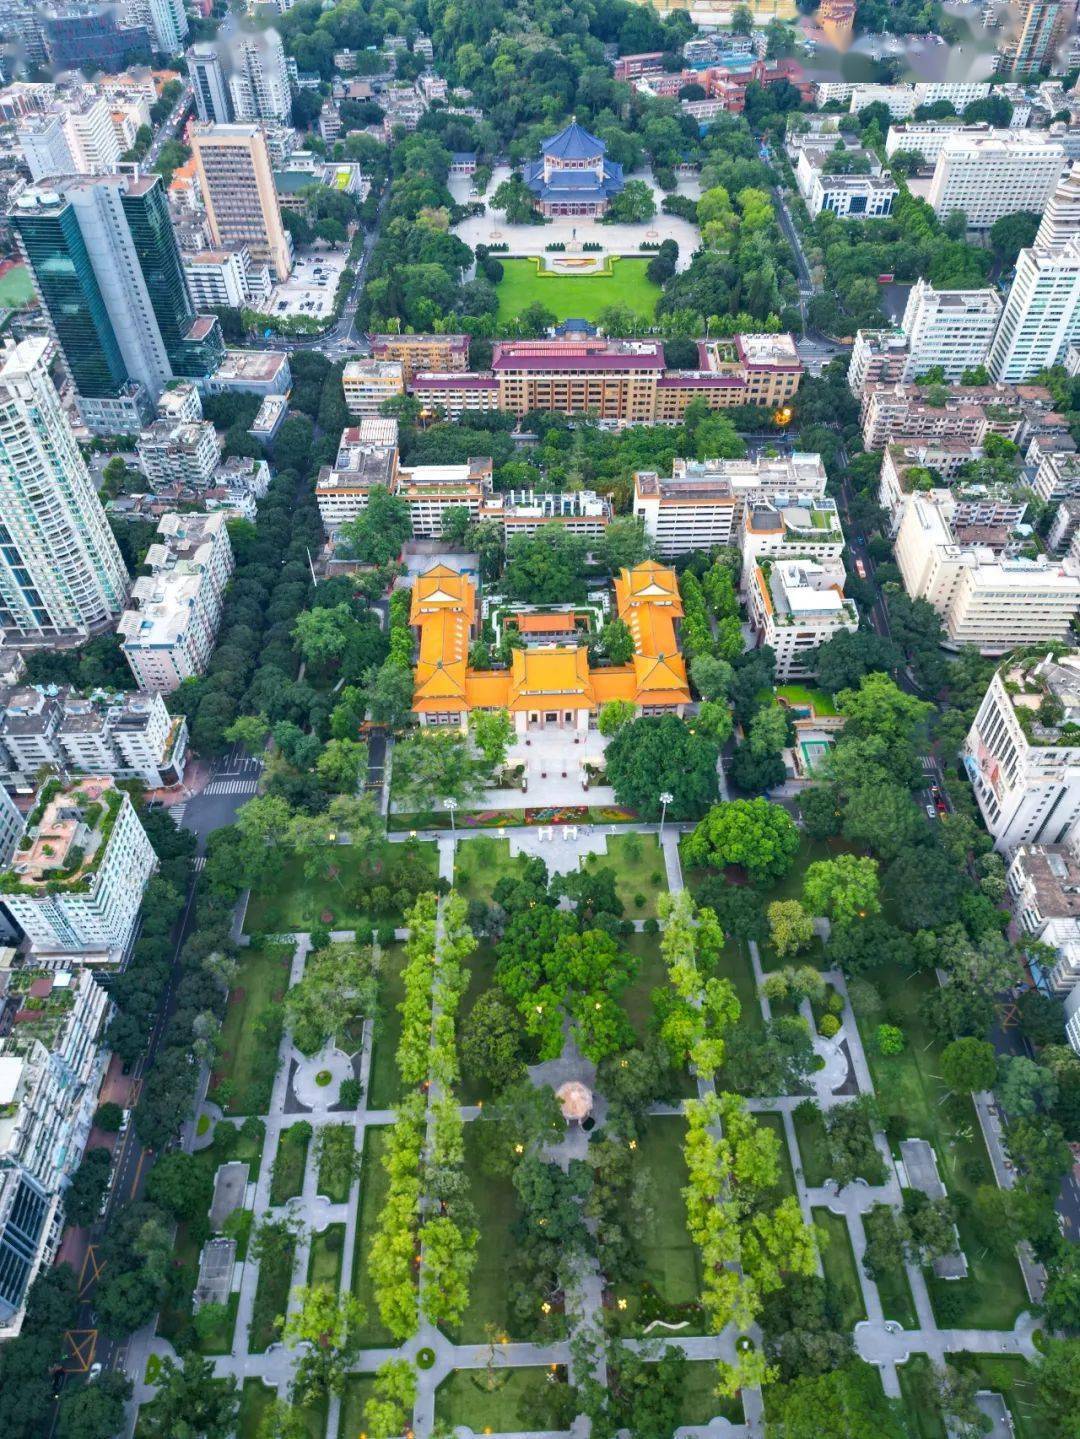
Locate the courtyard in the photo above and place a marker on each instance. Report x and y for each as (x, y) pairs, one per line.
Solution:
(491, 228)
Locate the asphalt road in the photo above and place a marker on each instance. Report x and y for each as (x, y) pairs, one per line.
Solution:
(232, 783)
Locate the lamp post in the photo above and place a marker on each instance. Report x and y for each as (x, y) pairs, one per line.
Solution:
(665, 799)
(450, 805)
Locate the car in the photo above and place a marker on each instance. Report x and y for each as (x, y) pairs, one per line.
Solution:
(931, 812)
(95, 1370)
(938, 798)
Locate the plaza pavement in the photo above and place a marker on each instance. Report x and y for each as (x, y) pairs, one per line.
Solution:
(877, 1341)
(491, 228)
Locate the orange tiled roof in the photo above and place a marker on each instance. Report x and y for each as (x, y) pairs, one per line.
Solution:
(444, 610)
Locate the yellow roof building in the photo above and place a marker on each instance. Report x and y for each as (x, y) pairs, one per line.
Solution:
(549, 676)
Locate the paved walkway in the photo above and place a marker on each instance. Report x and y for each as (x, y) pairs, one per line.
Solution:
(295, 1097)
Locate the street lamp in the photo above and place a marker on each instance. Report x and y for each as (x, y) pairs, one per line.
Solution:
(450, 805)
(665, 799)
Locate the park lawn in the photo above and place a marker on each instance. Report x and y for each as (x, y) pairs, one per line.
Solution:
(374, 1184)
(480, 862)
(635, 999)
(578, 297)
(918, 1393)
(496, 1206)
(735, 964)
(327, 1252)
(640, 873)
(287, 1179)
(220, 1341)
(813, 1148)
(336, 1152)
(699, 1404)
(463, 1398)
(910, 1091)
(671, 1258)
(358, 1390)
(16, 287)
(838, 1265)
(805, 695)
(315, 1417)
(292, 903)
(785, 1185)
(271, 1298)
(255, 1399)
(384, 1081)
(243, 1076)
(893, 1287)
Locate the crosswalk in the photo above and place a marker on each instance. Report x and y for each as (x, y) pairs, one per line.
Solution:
(927, 763)
(199, 863)
(232, 786)
(176, 812)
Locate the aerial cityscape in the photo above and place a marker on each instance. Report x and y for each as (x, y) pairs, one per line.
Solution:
(539, 719)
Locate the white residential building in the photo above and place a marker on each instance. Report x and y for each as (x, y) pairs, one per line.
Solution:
(91, 136)
(259, 86)
(1057, 477)
(790, 530)
(226, 278)
(431, 490)
(185, 453)
(950, 328)
(929, 137)
(878, 357)
(1041, 318)
(795, 606)
(1061, 219)
(126, 736)
(51, 1067)
(1022, 755)
(905, 466)
(521, 512)
(850, 196)
(988, 177)
(209, 85)
(704, 501)
(77, 888)
(168, 24)
(44, 143)
(180, 402)
(902, 100)
(61, 573)
(171, 634)
(994, 604)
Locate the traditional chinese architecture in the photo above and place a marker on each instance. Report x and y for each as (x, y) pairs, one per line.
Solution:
(573, 175)
(548, 686)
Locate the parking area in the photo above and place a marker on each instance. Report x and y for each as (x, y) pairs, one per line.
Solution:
(310, 289)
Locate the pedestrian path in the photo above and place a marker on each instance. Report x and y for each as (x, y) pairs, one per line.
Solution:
(232, 786)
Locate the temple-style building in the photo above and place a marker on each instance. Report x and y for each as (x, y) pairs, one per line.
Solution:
(548, 686)
(572, 176)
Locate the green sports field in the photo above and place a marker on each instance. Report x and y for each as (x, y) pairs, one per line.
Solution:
(576, 297)
(15, 288)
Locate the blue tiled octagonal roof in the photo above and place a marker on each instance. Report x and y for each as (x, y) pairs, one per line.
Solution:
(573, 143)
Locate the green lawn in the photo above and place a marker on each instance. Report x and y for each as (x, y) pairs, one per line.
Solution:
(384, 1082)
(481, 966)
(1012, 1378)
(578, 297)
(337, 1144)
(496, 1213)
(255, 1399)
(699, 1403)
(786, 1184)
(892, 1285)
(16, 287)
(805, 695)
(734, 964)
(287, 1179)
(838, 1263)
(790, 886)
(271, 1298)
(291, 902)
(910, 1091)
(480, 863)
(813, 1148)
(243, 1076)
(374, 1183)
(464, 1398)
(671, 1259)
(324, 1262)
(358, 1389)
(639, 871)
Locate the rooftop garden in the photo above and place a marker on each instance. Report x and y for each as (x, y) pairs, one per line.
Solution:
(75, 840)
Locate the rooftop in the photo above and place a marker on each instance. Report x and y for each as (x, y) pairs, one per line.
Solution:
(1053, 871)
(260, 365)
(66, 833)
(577, 354)
(1045, 694)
